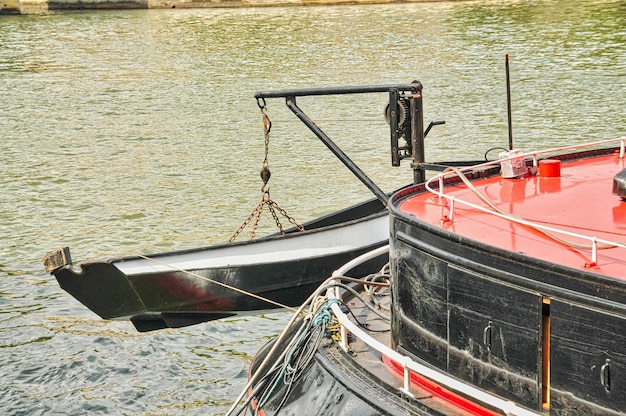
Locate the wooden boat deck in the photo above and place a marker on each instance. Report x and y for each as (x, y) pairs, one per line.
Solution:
(578, 201)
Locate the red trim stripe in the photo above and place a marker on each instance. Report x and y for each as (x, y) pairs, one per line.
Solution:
(440, 392)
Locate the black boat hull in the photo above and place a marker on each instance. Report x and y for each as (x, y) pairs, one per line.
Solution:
(334, 384)
(487, 319)
(188, 287)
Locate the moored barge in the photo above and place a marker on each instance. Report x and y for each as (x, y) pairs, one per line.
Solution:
(516, 283)
(507, 295)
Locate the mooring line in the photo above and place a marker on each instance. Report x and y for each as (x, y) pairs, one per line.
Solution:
(244, 292)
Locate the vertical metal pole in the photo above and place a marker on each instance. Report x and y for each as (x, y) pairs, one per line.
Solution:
(393, 125)
(417, 137)
(508, 101)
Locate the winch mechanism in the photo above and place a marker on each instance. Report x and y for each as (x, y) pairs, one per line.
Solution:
(398, 117)
(404, 115)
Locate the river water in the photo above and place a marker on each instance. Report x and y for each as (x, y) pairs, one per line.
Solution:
(127, 132)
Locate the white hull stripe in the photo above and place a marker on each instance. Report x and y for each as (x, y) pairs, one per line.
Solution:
(307, 245)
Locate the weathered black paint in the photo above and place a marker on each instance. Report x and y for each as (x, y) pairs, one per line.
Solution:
(333, 384)
(475, 311)
(589, 358)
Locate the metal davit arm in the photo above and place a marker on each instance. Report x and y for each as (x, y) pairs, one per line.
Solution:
(290, 98)
(365, 89)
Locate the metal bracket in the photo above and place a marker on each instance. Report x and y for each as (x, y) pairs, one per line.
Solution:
(487, 336)
(413, 90)
(605, 375)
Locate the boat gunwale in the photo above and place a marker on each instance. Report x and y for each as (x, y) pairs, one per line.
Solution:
(290, 233)
(589, 297)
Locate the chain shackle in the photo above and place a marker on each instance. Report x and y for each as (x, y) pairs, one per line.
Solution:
(255, 216)
(265, 175)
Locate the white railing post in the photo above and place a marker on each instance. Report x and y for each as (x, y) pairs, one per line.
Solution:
(594, 250)
(451, 216)
(406, 388)
(441, 186)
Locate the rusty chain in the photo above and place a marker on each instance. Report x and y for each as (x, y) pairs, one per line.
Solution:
(265, 193)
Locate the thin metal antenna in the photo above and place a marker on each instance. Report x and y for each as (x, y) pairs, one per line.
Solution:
(508, 101)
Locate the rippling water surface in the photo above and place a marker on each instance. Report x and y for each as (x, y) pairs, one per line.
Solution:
(127, 132)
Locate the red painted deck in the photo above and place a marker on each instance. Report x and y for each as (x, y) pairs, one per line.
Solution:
(579, 201)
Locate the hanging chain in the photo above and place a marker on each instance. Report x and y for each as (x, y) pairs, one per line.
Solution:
(265, 192)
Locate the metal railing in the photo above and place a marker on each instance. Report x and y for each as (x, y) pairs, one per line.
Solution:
(594, 241)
